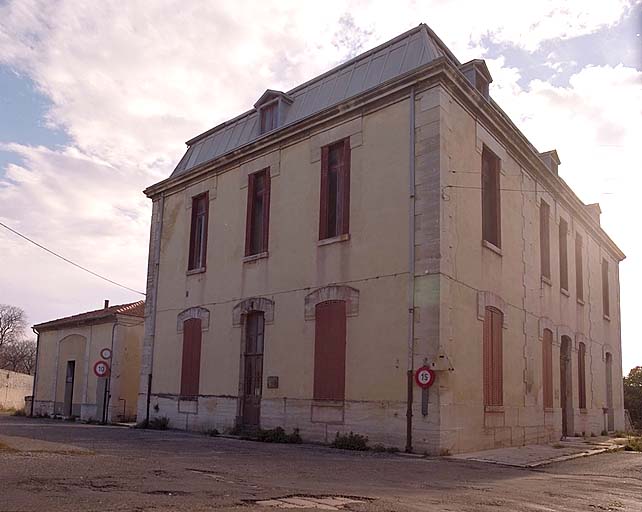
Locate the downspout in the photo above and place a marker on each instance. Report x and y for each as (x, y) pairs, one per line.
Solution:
(35, 371)
(157, 251)
(411, 270)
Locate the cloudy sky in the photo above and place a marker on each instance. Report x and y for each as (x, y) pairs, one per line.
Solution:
(96, 102)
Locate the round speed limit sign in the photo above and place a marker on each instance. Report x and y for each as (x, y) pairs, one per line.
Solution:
(101, 368)
(424, 377)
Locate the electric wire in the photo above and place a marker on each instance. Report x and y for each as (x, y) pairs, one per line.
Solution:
(68, 260)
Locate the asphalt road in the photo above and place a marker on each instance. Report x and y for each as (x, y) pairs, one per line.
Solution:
(128, 469)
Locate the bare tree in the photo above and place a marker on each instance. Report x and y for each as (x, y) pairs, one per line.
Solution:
(13, 322)
(19, 356)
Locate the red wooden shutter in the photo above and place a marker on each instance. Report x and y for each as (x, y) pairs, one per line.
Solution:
(191, 364)
(498, 359)
(581, 373)
(605, 288)
(206, 198)
(266, 210)
(323, 203)
(249, 214)
(493, 358)
(330, 351)
(345, 188)
(547, 368)
(192, 236)
(488, 359)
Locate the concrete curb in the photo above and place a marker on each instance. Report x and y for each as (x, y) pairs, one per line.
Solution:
(546, 462)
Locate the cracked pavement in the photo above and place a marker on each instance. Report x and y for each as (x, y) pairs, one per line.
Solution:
(108, 468)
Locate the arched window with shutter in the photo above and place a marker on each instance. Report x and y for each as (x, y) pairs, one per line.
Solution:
(493, 357)
(547, 369)
(581, 374)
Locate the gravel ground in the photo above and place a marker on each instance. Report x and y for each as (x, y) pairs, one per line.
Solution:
(126, 469)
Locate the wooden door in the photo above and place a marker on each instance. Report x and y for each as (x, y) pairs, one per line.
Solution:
(67, 409)
(253, 369)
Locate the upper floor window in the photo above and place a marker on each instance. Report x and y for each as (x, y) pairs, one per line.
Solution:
(334, 217)
(563, 237)
(258, 212)
(493, 357)
(579, 268)
(605, 288)
(545, 239)
(198, 232)
(269, 115)
(491, 203)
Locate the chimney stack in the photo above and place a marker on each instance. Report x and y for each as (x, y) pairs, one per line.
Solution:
(106, 303)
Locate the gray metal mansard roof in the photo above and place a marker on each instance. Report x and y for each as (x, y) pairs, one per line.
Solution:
(369, 70)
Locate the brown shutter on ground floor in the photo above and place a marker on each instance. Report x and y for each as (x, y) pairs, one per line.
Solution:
(191, 366)
(581, 372)
(547, 368)
(330, 351)
(493, 359)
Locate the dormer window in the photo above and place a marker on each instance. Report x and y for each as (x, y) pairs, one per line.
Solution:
(269, 116)
(272, 109)
(476, 72)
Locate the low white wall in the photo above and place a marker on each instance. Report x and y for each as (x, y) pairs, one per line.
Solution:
(13, 389)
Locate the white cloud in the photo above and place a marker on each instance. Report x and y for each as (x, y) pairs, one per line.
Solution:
(595, 124)
(130, 81)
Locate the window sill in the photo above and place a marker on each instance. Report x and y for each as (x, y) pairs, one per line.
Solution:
(564, 291)
(549, 409)
(196, 271)
(492, 247)
(547, 280)
(583, 411)
(255, 257)
(499, 409)
(335, 239)
(580, 302)
(607, 317)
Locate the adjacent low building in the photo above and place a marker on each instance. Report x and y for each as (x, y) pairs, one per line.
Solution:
(309, 255)
(88, 364)
(14, 388)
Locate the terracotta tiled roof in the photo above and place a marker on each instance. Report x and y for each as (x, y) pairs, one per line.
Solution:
(130, 309)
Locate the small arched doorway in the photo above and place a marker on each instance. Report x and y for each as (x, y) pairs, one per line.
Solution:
(566, 386)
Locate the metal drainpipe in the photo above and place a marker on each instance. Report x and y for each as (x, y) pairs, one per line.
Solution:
(411, 269)
(35, 370)
(157, 251)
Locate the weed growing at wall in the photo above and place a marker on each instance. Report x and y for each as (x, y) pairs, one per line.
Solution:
(350, 441)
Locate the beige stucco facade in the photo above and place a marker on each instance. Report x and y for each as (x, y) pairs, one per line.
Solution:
(79, 341)
(413, 273)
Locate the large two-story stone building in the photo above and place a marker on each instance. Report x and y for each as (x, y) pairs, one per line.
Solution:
(307, 256)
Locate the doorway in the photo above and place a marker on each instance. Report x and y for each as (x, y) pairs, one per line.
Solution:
(253, 368)
(67, 409)
(101, 399)
(609, 392)
(566, 388)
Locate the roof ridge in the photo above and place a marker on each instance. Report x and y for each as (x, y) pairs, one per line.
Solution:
(96, 314)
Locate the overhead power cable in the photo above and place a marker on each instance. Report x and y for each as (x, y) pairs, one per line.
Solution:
(68, 260)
